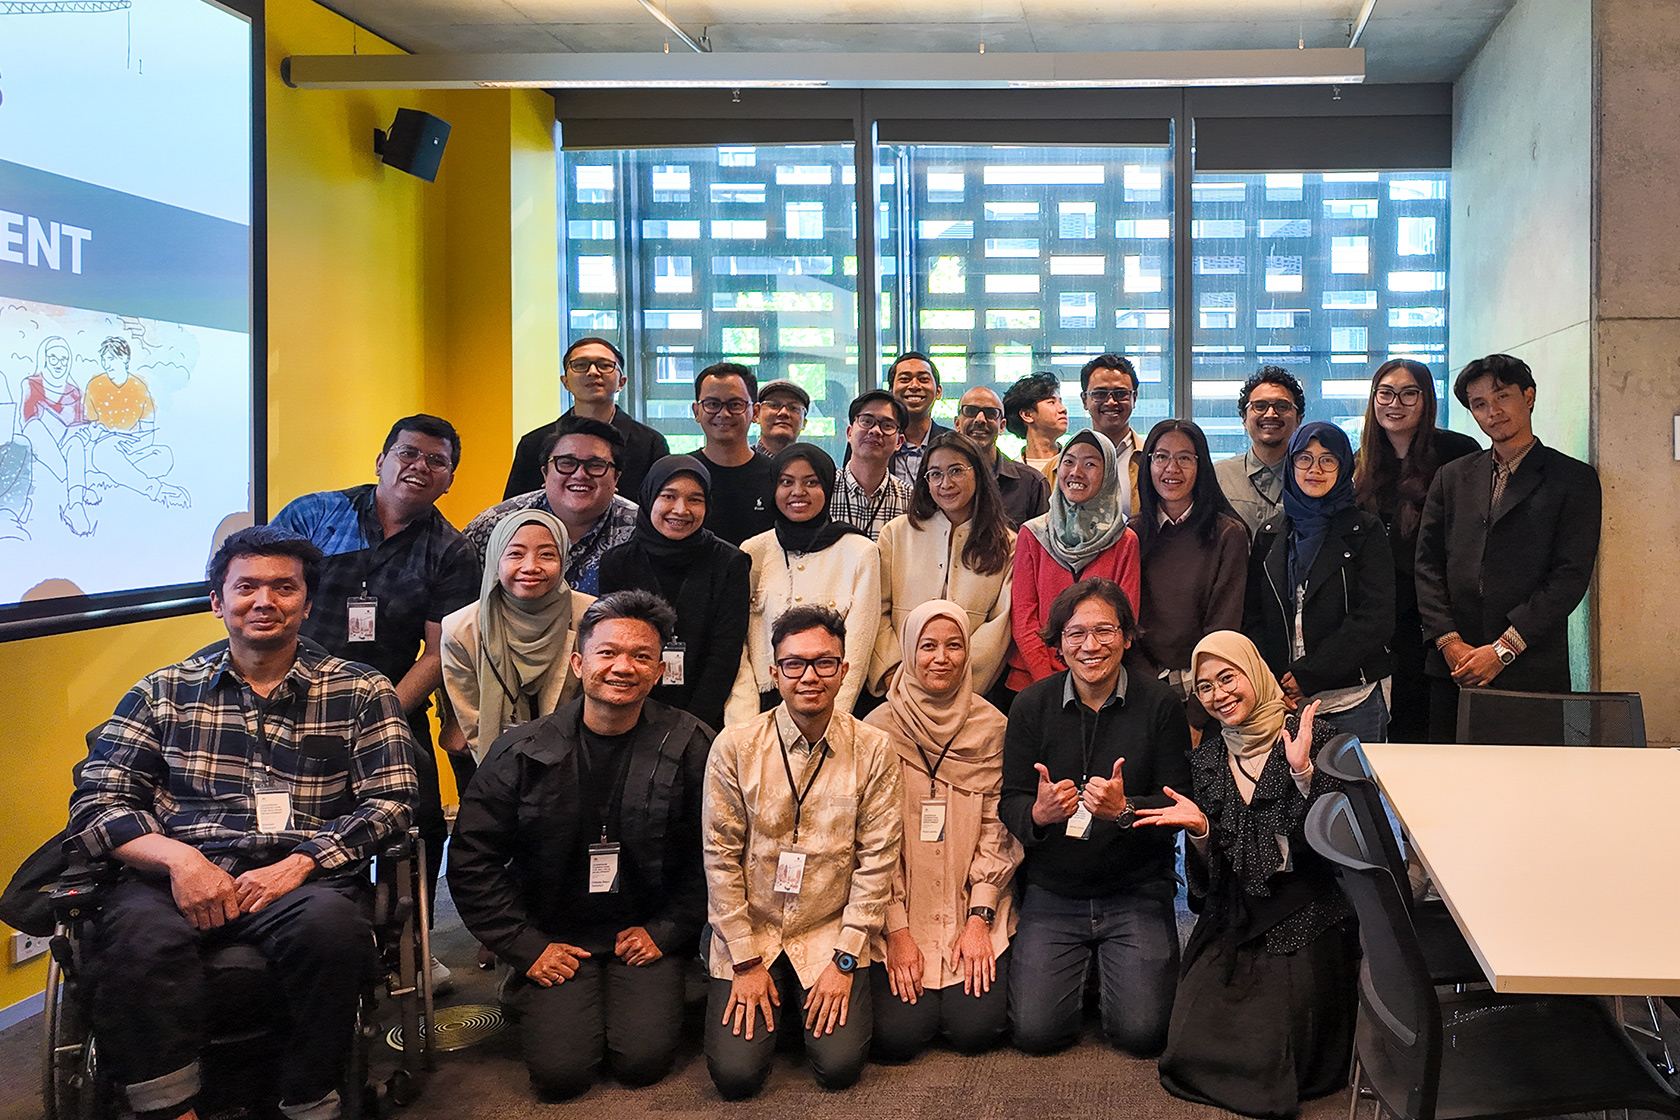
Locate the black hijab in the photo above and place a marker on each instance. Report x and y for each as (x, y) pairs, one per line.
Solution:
(822, 530)
(692, 548)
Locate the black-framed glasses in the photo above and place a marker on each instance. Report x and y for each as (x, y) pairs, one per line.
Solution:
(954, 473)
(1306, 461)
(408, 456)
(584, 365)
(1276, 407)
(1407, 397)
(735, 406)
(979, 411)
(569, 465)
(1105, 634)
(1103, 396)
(781, 404)
(1224, 682)
(886, 424)
(1184, 460)
(794, 667)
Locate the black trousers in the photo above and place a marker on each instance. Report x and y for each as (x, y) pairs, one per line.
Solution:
(151, 1000)
(970, 1024)
(740, 1066)
(629, 1017)
(1443, 710)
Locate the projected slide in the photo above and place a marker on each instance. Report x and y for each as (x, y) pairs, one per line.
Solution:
(125, 278)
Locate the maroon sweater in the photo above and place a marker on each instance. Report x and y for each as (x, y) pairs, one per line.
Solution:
(1189, 591)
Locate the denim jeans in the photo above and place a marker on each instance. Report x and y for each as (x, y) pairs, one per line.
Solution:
(1133, 935)
(1367, 719)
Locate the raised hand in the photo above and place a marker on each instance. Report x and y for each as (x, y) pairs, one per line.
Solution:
(1106, 797)
(1056, 801)
(1298, 750)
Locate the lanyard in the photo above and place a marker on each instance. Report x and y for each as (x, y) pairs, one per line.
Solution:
(615, 798)
(933, 767)
(793, 787)
(1087, 740)
(262, 709)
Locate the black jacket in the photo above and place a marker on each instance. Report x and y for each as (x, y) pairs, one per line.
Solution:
(1526, 564)
(518, 838)
(1347, 620)
(643, 447)
(712, 609)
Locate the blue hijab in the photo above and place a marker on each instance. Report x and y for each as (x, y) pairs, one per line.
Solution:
(1309, 517)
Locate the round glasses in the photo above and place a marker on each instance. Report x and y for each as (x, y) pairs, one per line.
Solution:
(953, 474)
(1306, 461)
(1184, 460)
(870, 423)
(1105, 634)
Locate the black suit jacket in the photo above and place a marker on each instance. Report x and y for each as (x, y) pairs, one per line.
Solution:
(1526, 564)
(643, 447)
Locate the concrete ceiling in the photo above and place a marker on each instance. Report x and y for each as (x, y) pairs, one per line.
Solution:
(1405, 40)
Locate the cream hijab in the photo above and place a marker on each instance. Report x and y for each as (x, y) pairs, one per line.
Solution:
(1260, 731)
(522, 643)
(923, 723)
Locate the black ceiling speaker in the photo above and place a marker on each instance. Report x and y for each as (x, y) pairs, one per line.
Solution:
(414, 144)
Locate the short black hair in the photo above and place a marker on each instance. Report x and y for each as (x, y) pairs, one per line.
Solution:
(427, 425)
(264, 540)
(1503, 368)
(643, 606)
(1064, 604)
(590, 340)
(797, 620)
(862, 400)
(729, 369)
(918, 356)
(1024, 396)
(114, 347)
(585, 426)
(1273, 375)
(1108, 361)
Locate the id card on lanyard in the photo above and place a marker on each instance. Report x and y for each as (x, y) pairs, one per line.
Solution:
(790, 864)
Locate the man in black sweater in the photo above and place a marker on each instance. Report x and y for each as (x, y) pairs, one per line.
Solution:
(1085, 749)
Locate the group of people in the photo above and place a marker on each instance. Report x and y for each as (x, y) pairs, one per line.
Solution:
(899, 747)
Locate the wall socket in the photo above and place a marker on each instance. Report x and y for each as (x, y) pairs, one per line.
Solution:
(25, 947)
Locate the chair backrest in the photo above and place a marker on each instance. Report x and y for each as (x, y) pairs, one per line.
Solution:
(1342, 759)
(1399, 1033)
(1551, 719)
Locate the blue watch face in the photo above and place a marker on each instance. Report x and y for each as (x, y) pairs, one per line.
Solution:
(845, 962)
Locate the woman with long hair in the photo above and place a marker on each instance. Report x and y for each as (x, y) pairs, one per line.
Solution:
(954, 543)
(1083, 535)
(1194, 556)
(806, 560)
(1400, 451)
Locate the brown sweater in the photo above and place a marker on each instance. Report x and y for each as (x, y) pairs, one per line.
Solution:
(1189, 591)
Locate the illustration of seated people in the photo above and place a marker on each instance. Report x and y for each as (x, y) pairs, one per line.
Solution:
(55, 425)
(17, 479)
(122, 444)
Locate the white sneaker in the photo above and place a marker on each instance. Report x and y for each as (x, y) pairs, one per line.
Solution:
(443, 980)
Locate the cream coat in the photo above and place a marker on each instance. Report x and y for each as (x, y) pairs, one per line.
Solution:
(460, 673)
(915, 567)
(846, 576)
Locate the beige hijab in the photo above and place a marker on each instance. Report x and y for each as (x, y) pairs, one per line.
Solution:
(521, 643)
(1259, 732)
(916, 718)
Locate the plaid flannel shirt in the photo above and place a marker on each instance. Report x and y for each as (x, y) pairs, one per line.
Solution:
(185, 753)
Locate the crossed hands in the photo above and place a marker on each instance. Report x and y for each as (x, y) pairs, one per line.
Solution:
(209, 897)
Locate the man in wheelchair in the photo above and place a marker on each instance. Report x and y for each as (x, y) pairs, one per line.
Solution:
(241, 790)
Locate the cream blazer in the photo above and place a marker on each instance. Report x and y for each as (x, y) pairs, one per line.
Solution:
(460, 672)
(846, 576)
(926, 563)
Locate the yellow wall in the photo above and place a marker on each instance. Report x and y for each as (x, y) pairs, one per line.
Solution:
(387, 296)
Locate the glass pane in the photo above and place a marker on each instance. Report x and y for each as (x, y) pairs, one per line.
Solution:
(1019, 259)
(741, 253)
(1325, 275)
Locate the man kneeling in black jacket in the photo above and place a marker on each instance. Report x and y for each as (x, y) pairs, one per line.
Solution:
(576, 858)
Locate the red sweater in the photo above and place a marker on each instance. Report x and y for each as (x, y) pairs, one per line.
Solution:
(1038, 579)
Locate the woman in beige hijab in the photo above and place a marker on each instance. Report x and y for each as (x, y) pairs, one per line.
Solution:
(950, 917)
(1265, 1008)
(507, 657)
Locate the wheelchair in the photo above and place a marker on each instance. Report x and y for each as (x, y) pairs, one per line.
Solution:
(244, 1033)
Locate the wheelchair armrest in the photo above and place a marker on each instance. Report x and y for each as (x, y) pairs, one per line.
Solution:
(79, 892)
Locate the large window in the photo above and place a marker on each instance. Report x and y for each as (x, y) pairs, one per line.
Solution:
(1326, 275)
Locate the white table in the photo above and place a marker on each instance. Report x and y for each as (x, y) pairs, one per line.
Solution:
(1560, 864)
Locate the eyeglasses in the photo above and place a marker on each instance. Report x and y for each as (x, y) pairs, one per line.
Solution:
(1224, 682)
(568, 465)
(794, 667)
(1277, 408)
(735, 406)
(584, 365)
(870, 423)
(1407, 397)
(1103, 396)
(1305, 461)
(1105, 634)
(953, 474)
(780, 405)
(976, 411)
(1184, 460)
(408, 456)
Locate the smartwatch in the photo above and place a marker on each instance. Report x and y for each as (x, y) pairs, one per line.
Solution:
(1506, 655)
(845, 962)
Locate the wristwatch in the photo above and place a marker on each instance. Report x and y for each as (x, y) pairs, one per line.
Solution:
(845, 962)
(1127, 816)
(984, 913)
(1505, 653)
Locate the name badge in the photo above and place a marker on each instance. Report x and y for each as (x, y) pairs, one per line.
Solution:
(603, 869)
(363, 611)
(790, 872)
(274, 809)
(1079, 825)
(933, 821)
(672, 655)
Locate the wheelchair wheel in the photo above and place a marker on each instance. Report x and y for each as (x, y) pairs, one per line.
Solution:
(75, 1087)
(401, 1088)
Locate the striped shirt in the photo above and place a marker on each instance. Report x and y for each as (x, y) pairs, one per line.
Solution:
(190, 745)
